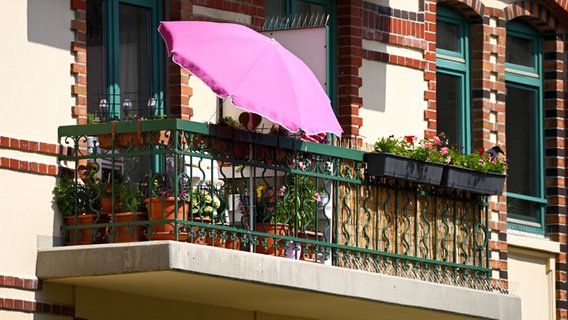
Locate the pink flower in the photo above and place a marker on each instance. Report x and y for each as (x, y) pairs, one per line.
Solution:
(448, 159)
(437, 140)
(444, 150)
(282, 191)
(429, 145)
(317, 197)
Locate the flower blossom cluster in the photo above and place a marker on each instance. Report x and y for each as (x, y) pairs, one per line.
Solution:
(436, 149)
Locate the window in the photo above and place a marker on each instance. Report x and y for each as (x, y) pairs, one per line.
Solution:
(523, 75)
(122, 58)
(275, 9)
(452, 78)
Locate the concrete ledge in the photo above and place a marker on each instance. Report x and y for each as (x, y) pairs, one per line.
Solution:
(90, 265)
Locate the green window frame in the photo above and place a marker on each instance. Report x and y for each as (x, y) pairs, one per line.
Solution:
(109, 89)
(525, 199)
(453, 63)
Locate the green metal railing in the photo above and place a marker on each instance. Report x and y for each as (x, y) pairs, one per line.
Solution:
(268, 194)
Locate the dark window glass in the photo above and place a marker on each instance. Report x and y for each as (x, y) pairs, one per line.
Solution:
(274, 8)
(521, 149)
(291, 8)
(520, 51)
(97, 47)
(449, 104)
(447, 36)
(306, 8)
(135, 58)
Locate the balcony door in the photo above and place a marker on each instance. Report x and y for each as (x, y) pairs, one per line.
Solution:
(123, 78)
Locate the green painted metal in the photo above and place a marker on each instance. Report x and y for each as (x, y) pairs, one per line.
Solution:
(457, 64)
(530, 79)
(378, 224)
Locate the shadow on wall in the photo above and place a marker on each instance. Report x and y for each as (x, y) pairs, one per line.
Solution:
(48, 21)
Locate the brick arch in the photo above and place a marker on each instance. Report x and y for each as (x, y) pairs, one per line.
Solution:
(533, 13)
(472, 10)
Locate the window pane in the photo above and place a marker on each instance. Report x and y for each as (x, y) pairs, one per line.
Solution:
(274, 8)
(525, 208)
(522, 147)
(449, 105)
(448, 36)
(96, 55)
(135, 59)
(520, 51)
(304, 8)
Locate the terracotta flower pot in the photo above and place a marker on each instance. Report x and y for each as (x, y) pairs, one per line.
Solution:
(86, 235)
(164, 209)
(129, 233)
(198, 238)
(106, 205)
(280, 229)
(308, 249)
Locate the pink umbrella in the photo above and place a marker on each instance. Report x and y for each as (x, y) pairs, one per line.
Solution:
(256, 72)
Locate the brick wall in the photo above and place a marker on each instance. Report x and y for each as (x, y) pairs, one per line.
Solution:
(28, 306)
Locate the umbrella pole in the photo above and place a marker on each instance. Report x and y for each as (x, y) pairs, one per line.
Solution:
(252, 192)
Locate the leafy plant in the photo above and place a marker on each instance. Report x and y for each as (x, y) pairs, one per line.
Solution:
(229, 121)
(73, 197)
(129, 198)
(68, 195)
(92, 118)
(436, 149)
(294, 202)
(279, 130)
(204, 202)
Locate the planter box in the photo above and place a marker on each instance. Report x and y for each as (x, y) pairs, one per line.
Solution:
(474, 181)
(390, 165)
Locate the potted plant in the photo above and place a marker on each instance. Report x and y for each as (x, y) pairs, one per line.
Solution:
(224, 144)
(206, 207)
(481, 171)
(432, 160)
(130, 210)
(408, 158)
(271, 217)
(127, 140)
(74, 202)
(165, 210)
(303, 198)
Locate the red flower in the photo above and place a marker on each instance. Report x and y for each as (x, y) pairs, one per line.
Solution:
(411, 139)
(481, 151)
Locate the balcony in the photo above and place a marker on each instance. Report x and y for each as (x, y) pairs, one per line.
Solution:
(256, 195)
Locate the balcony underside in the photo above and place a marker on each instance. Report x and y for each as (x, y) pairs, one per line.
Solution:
(240, 280)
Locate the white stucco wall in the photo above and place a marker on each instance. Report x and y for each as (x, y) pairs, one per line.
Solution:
(393, 107)
(203, 101)
(35, 99)
(35, 63)
(499, 4)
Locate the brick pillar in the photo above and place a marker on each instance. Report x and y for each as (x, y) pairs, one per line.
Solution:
(79, 66)
(349, 57)
(555, 152)
(555, 134)
(429, 9)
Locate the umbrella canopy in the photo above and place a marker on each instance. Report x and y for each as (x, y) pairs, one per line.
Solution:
(256, 72)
